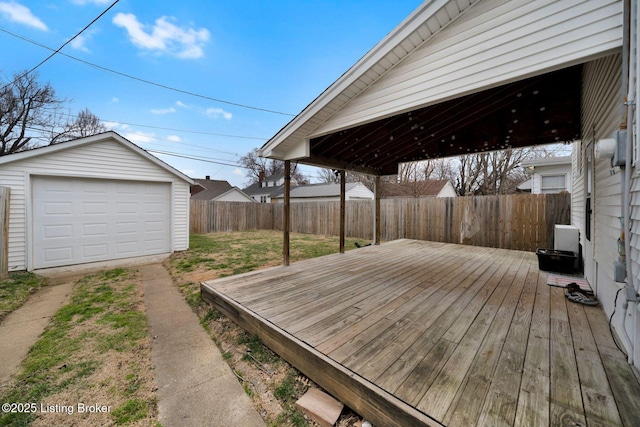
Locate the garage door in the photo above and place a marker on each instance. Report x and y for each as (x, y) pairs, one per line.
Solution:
(77, 220)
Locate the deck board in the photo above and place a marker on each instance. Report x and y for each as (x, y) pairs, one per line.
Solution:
(422, 333)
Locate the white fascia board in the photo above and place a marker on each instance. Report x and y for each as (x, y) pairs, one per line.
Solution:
(370, 59)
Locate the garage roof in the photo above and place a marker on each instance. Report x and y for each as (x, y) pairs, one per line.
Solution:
(456, 77)
(114, 136)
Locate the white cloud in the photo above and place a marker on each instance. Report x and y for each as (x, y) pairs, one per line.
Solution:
(174, 138)
(115, 100)
(164, 110)
(79, 43)
(111, 125)
(218, 112)
(164, 36)
(140, 137)
(238, 171)
(21, 14)
(182, 104)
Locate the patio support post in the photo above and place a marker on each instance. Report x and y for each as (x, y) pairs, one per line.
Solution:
(343, 208)
(376, 227)
(287, 212)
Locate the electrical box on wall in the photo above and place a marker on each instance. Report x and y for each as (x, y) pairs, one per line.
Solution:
(620, 150)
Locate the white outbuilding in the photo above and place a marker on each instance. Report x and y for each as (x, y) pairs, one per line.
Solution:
(92, 199)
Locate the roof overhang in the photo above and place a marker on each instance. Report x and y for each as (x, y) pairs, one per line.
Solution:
(511, 83)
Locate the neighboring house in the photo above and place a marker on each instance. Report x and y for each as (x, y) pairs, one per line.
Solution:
(325, 193)
(548, 175)
(92, 199)
(458, 77)
(218, 191)
(263, 190)
(426, 188)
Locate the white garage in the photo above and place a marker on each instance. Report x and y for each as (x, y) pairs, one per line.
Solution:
(93, 199)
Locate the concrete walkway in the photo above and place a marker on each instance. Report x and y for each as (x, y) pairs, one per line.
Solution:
(22, 327)
(195, 385)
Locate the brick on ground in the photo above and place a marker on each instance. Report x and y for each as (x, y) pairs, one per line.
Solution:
(320, 407)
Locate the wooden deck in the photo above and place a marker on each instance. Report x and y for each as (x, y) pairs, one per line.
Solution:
(422, 333)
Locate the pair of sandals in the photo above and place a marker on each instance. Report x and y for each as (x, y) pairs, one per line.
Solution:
(576, 294)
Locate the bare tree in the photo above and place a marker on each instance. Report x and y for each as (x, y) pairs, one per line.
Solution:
(331, 176)
(496, 172)
(27, 110)
(85, 124)
(328, 176)
(256, 166)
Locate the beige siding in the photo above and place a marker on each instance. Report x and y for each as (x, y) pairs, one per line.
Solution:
(105, 159)
(491, 43)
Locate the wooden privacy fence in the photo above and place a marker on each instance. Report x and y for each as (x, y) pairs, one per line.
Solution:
(523, 222)
(5, 193)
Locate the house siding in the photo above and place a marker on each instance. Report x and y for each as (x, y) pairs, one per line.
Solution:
(601, 117)
(635, 250)
(448, 191)
(536, 179)
(102, 160)
(359, 192)
(492, 43)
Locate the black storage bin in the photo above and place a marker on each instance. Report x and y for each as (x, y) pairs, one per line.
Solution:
(557, 261)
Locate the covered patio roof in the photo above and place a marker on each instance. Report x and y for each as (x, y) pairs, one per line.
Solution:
(456, 77)
(538, 110)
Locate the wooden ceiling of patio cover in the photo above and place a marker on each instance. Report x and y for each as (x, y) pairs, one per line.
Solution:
(539, 110)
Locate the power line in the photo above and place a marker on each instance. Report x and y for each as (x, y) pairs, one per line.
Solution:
(156, 141)
(201, 159)
(64, 44)
(165, 128)
(139, 79)
(188, 131)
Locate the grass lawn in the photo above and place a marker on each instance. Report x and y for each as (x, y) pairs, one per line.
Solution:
(15, 289)
(95, 354)
(272, 383)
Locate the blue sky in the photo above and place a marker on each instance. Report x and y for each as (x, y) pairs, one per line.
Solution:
(273, 55)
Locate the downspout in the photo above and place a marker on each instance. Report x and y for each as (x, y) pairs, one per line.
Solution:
(629, 72)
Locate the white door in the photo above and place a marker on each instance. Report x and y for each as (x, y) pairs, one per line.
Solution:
(80, 220)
